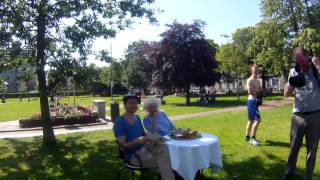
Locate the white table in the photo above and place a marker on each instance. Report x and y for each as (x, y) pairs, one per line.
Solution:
(189, 156)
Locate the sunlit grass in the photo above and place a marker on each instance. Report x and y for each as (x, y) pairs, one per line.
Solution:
(94, 155)
(14, 109)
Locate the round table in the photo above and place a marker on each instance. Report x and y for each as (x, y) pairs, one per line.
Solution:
(189, 156)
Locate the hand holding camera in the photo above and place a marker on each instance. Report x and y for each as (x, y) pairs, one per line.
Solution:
(316, 62)
(298, 80)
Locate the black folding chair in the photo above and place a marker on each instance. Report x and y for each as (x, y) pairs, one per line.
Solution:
(128, 165)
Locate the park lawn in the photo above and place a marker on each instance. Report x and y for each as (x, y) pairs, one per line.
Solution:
(14, 109)
(176, 105)
(94, 155)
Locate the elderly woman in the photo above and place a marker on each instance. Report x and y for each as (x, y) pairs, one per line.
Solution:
(156, 121)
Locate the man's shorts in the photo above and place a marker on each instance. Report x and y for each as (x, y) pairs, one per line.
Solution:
(253, 110)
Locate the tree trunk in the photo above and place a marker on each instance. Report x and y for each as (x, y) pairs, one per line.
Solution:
(20, 97)
(48, 133)
(3, 98)
(294, 18)
(263, 77)
(310, 19)
(187, 94)
(238, 93)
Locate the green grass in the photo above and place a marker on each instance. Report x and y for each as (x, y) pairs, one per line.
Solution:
(14, 109)
(94, 155)
(176, 105)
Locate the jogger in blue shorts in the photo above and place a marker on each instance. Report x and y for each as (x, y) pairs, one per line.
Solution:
(253, 86)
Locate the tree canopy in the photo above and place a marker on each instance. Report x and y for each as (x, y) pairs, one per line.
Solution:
(138, 65)
(39, 28)
(286, 24)
(184, 57)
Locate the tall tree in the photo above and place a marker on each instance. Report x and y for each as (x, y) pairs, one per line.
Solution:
(136, 77)
(26, 76)
(184, 57)
(229, 59)
(242, 40)
(294, 15)
(287, 12)
(61, 69)
(41, 26)
(272, 48)
(310, 40)
(3, 86)
(138, 64)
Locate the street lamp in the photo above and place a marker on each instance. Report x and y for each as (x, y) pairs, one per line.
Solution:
(3, 87)
(254, 48)
(111, 79)
(114, 106)
(74, 88)
(228, 38)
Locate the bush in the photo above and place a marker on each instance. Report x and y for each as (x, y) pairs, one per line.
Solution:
(63, 115)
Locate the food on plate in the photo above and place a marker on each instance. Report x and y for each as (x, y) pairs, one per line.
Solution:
(185, 133)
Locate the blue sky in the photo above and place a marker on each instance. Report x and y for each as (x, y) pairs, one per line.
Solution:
(221, 16)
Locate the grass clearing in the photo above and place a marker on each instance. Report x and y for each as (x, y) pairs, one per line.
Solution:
(14, 109)
(94, 155)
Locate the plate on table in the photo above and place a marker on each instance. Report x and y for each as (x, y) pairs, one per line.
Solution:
(185, 137)
(184, 134)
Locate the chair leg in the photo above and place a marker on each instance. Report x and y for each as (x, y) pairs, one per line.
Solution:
(132, 174)
(119, 173)
(142, 174)
(201, 174)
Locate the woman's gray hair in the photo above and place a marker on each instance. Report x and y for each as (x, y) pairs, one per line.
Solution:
(151, 102)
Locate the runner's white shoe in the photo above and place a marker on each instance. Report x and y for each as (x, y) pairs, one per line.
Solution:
(254, 142)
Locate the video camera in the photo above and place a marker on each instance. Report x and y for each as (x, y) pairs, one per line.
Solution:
(299, 80)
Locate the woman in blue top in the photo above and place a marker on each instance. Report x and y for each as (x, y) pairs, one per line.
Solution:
(156, 121)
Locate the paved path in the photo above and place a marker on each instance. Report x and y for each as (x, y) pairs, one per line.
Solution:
(266, 105)
(11, 129)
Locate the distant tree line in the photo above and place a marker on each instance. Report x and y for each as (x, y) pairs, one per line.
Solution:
(183, 57)
(269, 44)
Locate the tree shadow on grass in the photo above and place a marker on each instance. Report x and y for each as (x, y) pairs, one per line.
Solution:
(254, 168)
(73, 158)
(280, 144)
(216, 104)
(276, 143)
(79, 158)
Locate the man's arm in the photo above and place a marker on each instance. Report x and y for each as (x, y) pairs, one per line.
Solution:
(288, 90)
(260, 87)
(120, 134)
(131, 144)
(316, 63)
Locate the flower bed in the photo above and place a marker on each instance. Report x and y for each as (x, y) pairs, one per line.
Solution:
(63, 115)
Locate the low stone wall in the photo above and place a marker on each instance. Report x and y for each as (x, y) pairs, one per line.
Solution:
(30, 123)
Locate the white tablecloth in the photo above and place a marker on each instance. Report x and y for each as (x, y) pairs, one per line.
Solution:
(189, 156)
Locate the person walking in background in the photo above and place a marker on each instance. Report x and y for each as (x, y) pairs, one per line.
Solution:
(304, 80)
(156, 121)
(254, 88)
(52, 102)
(59, 100)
